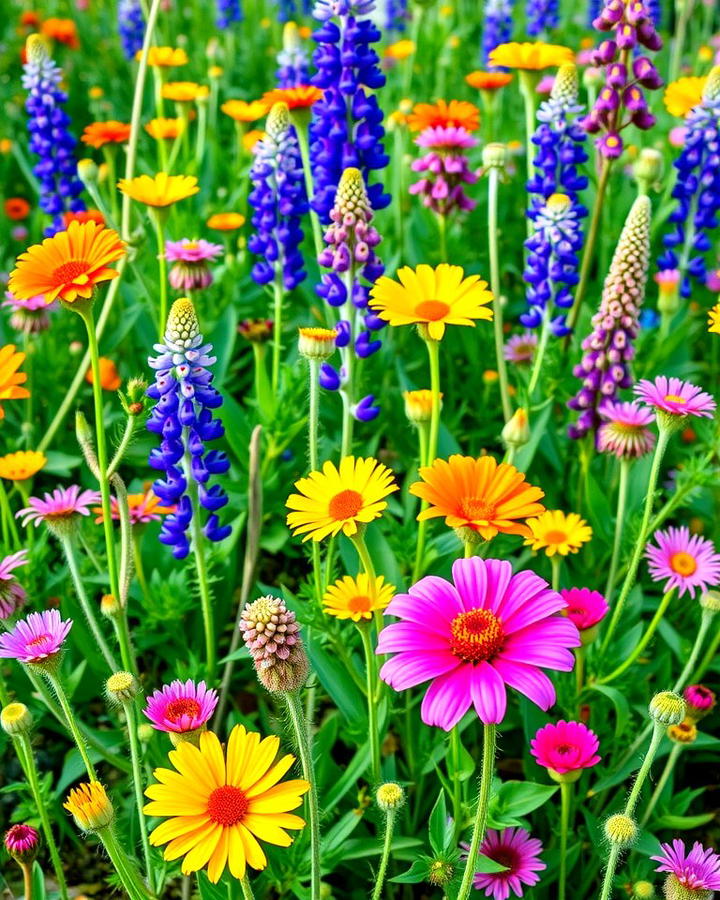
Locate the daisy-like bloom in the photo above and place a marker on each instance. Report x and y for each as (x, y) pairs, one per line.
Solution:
(624, 430)
(565, 748)
(68, 265)
(357, 598)
(399, 50)
(700, 701)
(339, 499)
(90, 806)
(488, 81)
(675, 397)
(480, 496)
(22, 842)
(714, 319)
(317, 343)
(303, 96)
(11, 380)
(164, 57)
(228, 221)
(62, 506)
(109, 377)
(21, 465)
(584, 608)
(161, 190)
(455, 114)
(16, 208)
(97, 134)
(244, 111)
(143, 508)
(431, 297)
(64, 31)
(82, 216)
(181, 706)
(185, 91)
(557, 532)
(35, 638)
(519, 853)
(520, 349)
(471, 638)
(12, 593)
(165, 129)
(693, 874)
(219, 805)
(532, 56)
(190, 270)
(683, 562)
(683, 95)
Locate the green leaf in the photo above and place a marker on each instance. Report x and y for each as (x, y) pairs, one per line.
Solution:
(684, 823)
(208, 890)
(619, 701)
(438, 829)
(515, 799)
(351, 774)
(417, 872)
(488, 866)
(38, 882)
(334, 839)
(339, 685)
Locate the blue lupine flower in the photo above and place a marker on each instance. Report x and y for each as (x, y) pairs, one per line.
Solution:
(292, 59)
(50, 139)
(542, 15)
(278, 198)
(228, 11)
(396, 15)
(655, 11)
(593, 11)
(346, 128)
(183, 416)
(131, 27)
(497, 27)
(697, 190)
(287, 9)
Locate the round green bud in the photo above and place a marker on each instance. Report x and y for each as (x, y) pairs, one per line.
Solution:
(620, 830)
(667, 708)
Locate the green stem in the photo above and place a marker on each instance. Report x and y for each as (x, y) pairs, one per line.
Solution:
(8, 516)
(362, 550)
(642, 644)
(619, 524)
(540, 354)
(662, 781)
(442, 237)
(555, 564)
(493, 180)
(246, 889)
(123, 445)
(565, 802)
(433, 349)
(198, 547)
(481, 815)
(127, 872)
(313, 416)
(71, 722)
(158, 221)
(528, 85)
(371, 675)
(683, 9)
(129, 708)
(610, 872)
(278, 297)
(710, 653)
(301, 129)
(580, 653)
(27, 880)
(384, 859)
(455, 778)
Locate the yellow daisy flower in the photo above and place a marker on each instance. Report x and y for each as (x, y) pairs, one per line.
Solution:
(400, 50)
(557, 532)
(185, 91)
(21, 465)
(11, 380)
(218, 804)
(714, 319)
(535, 55)
(160, 190)
(164, 57)
(336, 500)
(244, 110)
(90, 806)
(357, 598)
(683, 95)
(165, 129)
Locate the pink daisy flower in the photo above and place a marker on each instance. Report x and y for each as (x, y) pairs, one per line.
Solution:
(35, 638)
(181, 706)
(473, 637)
(565, 747)
(190, 271)
(698, 870)
(520, 348)
(682, 561)
(584, 608)
(624, 430)
(519, 853)
(676, 397)
(60, 507)
(700, 700)
(12, 594)
(22, 841)
(28, 316)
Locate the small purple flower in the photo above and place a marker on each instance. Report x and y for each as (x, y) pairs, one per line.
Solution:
(696, 871)
(542, 15)
(228, 11)
(181, 706)
(36, 638)
(28, 316)
(520, 349)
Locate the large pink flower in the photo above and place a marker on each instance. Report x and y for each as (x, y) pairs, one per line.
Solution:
(35, 638)
(565, 747)
(585, 608)
(471, 638)
(519, 853)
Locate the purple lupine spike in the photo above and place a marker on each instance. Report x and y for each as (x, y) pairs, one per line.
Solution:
(50, 138)
(184, 394)
(608, 349)
(497, 28)
(228, 11)
(292, 59)
(131, 27)
(542, 15)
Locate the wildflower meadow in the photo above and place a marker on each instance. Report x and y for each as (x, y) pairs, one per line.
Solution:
(359, 449)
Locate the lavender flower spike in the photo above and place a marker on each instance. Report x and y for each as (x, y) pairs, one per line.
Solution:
(183, 416)
(542, 15)
(497, 27)
(292, 59)
(604, 368)
(131, 27)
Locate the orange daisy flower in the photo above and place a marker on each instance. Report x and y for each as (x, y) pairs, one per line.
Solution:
(185, 91)
(109, 378)
(30, 19)
(488, 81)
(164, 57)
(400, 50)
(160, 190)
(68, 265)
(300, 97)
(97, 134)
(64, 31)
(165, 129)
(16, 208)
(458, 113)
(244, 111)
(228, 221)
(83, 215)
(481, 495)
(21, 465)
(10, 378)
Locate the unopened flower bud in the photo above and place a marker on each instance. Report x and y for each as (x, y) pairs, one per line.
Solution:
(16, 719)
(109, 606)
(643, 890)
(494, 156)
(710, 600)
(133, 400)
(516, 432)
(620, 830)
(36, 49)
(316, 343)
(182, 327)
(648, 168)
(88, 172)
(390, 796)
(418, 406)
(145, 732)
(90, 806)
(700, 701)
(121, 687)
(22, 842)
(667, 708)
(441, 872)
(272, 636)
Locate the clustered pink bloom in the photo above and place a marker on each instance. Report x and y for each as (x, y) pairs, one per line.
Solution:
(12, 594)
(22, 842)
(624, 430)
(682, 561)
(675, 397)
(63, 505)
(584, 608)
(473, 637)
(446, 167)
(698, 870)
(519, 853)
(521, 348)
(700, 700)
(35, 638)
(190, 270)
(181, 706)
(565, 747)
(28, 316)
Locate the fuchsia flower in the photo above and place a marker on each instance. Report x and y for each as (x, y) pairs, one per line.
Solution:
(190, 271)
(35, 638)
(584, 608)
(520, 348)
(447, 168)
(22, 842)
(712, 280)
(565, 747)
(12, 594)
(472, 638)
(181, 706)
(698, 870)
(700, 700)
(682, 561)
(676, 397)
(519, 853)
(624, 430)
(28, 316)
(60, 507)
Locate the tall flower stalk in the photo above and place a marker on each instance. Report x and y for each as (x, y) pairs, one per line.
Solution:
(481, 813)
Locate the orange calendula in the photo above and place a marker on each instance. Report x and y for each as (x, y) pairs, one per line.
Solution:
(83, 215)
(683, 95)
(456, 113)
(11, 380)
(159, 190)
(97, 134)
(185, 91)
(16, 208)
(109, 378)
(228, 221)
(533, 56)
(300, 97)
(21, 465)
(164, 57)
(244, 110)
(64, 31)
(556, 532)
(400, 50)
(165, 129)
(488, 81)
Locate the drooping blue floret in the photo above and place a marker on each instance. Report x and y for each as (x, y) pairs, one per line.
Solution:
(131, 27)
(228, 11)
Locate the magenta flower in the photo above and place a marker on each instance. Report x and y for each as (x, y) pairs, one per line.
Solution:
(519, 853)
(584, 608)
(35, 638)
(22, 842)
(712, 281)
(28, 316)
(190, 270)
(698, 870)
(700, 700)
(682, 561)
(60, 507)
(181, 706)
(472, 638)
(676, 397)
(565, 747)
(520, 348)
(446, 167)
(624, 430)
(12, 594)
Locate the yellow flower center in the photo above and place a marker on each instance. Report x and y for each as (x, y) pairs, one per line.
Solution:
(183, 706)
(432, 310)
(359, 604)
(227, 805)
(69, 271)
(345, 505)
(675, 398)
(556, 537)
(476, 635)
(683, 563)
(477, 510)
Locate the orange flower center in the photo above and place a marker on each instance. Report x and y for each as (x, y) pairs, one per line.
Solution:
(555, 537)
(476, 635)
(345, 505)
(674, 398)
(683, 563)
(432, 310)
(477, 510)
(227, 805)
(360, 604)
(183, 706)
(69, 271)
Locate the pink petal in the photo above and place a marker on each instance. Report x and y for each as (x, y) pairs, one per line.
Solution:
(448, 698)
(402, 636)
(535, 606)
(531, 682)
(409, 669)
(488, 693)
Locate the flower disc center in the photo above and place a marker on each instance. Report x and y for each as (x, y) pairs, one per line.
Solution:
(360, 604)
(432, 310)
(227, 805)
(683, 563)
(556, 537)
(675, 398)
(69, 271)
(476, 635)
(477, 510)
(345, 505)
(183, 706)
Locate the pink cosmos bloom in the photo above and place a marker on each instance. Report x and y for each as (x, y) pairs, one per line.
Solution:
(22, 840)
(565, 747)
(682, 561)
(519, 853)
(12, 594)
(190, 271)
(698, 870)
(520, 348)
(676, 397)
(445, 137)
(447, 168)
(63, 504)
(700, 700)
(624, 430)
(584, 608)
(28, 316)
(181, 707)
(37, 637)
(473, 637)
